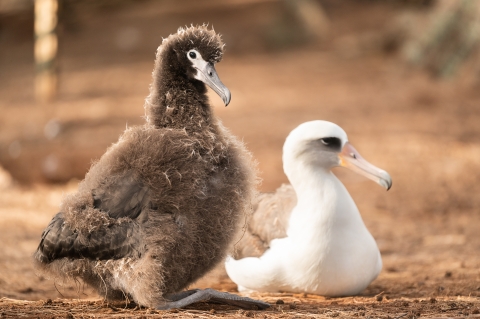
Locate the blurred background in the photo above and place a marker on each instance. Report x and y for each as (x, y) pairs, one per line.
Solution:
(402, 77)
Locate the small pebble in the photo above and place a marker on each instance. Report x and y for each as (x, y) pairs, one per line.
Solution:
(433, 300)
(279, 302)
(379, 298)
(448, 274)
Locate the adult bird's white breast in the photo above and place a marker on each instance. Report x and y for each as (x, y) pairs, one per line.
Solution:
(326, 248)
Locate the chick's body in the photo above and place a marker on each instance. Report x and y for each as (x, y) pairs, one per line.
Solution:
(160, 207)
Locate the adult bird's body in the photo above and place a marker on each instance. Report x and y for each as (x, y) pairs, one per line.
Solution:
(310, 238)
(160, 207)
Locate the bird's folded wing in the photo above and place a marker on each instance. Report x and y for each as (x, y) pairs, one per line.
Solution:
(271, 212)
(114, 241)
(122, 200)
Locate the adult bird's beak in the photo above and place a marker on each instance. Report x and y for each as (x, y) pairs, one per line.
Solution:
(350, 158)
(207, 74)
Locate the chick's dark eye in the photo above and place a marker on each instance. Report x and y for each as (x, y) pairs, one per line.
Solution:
(192, 55)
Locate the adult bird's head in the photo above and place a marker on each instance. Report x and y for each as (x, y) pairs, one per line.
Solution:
(322, 144)
(192, 53)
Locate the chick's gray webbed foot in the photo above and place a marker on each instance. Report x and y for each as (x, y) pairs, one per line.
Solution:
(186, 298)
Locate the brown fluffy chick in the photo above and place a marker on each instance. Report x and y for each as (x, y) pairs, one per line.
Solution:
(160, 207)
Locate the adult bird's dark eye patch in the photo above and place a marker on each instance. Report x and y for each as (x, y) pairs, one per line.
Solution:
(332, 143)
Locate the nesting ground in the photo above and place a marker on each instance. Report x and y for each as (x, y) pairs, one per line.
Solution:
(425, 132)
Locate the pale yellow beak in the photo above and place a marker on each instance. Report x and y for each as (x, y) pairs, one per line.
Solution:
(350, 158)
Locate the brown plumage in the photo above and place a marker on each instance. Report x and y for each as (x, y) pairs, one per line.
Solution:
(161, 206)
(271, 212)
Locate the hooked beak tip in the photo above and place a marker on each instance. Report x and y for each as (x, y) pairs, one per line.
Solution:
(227, 98)
(388, 186)
(386, 182)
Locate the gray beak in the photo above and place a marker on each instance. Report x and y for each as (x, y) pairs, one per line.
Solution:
(350, 158)
(207, 74)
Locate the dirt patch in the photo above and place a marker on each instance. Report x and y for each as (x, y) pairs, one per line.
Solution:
(283, 306)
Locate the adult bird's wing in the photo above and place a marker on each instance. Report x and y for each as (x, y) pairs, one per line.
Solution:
(271, 212)
(119, 235)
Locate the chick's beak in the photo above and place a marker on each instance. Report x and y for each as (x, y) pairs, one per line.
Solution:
(207, 74)
(350, 158)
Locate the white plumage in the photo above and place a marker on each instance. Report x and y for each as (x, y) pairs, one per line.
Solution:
(327, 249)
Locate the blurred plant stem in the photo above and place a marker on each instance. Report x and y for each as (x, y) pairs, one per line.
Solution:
(301, 21)
(451, 35)
(312, 16)
(46, 47)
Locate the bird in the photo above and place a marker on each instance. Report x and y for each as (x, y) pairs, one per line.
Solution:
(160, 208)
(309, 237)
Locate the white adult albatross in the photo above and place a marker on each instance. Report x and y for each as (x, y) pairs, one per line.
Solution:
(321, 246)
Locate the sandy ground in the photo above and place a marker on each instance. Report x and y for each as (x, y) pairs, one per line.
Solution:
(425, 132)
